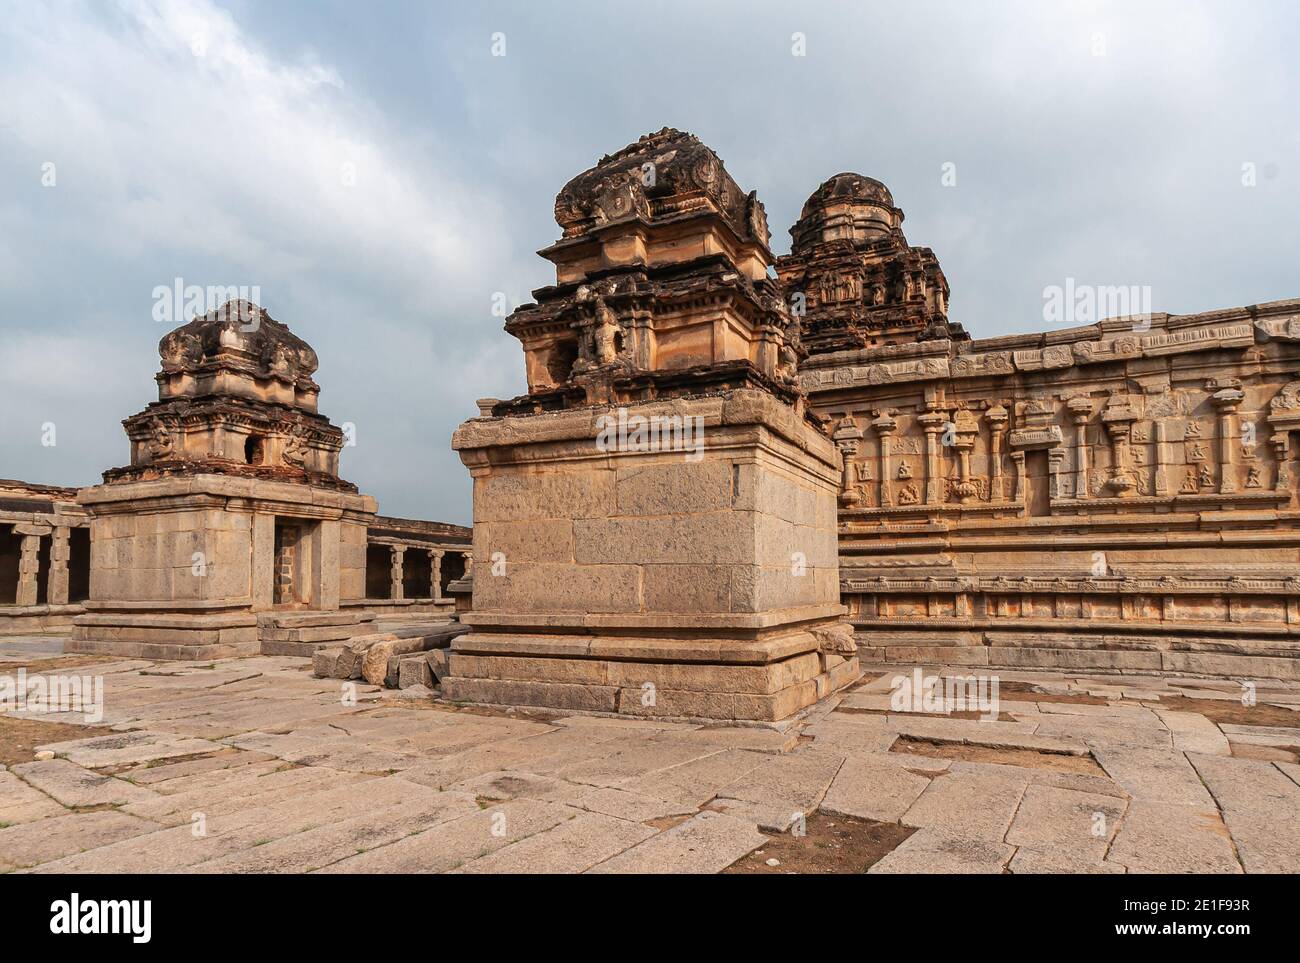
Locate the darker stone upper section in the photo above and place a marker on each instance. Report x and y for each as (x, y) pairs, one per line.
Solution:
(242, 337)
(662, 286)
(661, 176)
(859, 282)
(235, 397)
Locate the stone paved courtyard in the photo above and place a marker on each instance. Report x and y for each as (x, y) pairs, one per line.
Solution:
(253, 765)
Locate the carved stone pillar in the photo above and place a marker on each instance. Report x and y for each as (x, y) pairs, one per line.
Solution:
(1118, 419)
(965, 431)
(56, 586)
(1020, 491)
(28, 567)
(435, 573)
(1080, 411)
(1055, 459)
(395, 572)
(885, 427)
(847, 436)
(997, 419)
(1226, 402)
(1282, 479)
(933, 424)
(1160, 473)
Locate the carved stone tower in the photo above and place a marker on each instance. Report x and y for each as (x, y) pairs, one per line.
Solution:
(852, 270)
(655, 519)
(230, 531)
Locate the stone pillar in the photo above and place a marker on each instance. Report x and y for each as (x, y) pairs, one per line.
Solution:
(28, 567)
(1020, 491)
(1055, 459)
(56, 586)
(1119, 424)
(933, 424)
(435, 573)
(1160, 480)
(997, 419)
(1226, 402)
(884, 427)
(1080, 410)
(1282, 479)
(395, 572)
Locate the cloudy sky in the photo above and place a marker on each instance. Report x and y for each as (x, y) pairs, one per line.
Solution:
(380, 175)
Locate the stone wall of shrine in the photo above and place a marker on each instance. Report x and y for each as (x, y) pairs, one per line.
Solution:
(1119, 495)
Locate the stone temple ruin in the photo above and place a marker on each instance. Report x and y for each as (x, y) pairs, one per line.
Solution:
(230, 532)
(732, 478)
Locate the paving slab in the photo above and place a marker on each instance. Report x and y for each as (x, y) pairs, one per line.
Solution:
(73, 786)
(1097, 732)
(1193, 732)
(734, 737)
(632, 806)
(571, 847)
(452, 844)
(1155, 776)
(777, 793)
(322, 845)
(974, 805)
(1261, 806)
(629, 764)
(179, 776)
(1262, 735)
(697, 781)
(708, 842)
(1159, 837)
(873, 787)
(241, 828)
(1066, 821)
(515, 783)
(122, 749)
(1070, 861)
(252, 791)
(837, 733)
(39, 842)
(936, 851)
(21, 803)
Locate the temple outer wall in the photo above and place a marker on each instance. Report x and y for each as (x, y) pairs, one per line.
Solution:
(1120, 497)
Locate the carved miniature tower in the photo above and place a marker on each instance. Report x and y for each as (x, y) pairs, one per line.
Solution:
(862, 284)
(654, 521)
(230, 532)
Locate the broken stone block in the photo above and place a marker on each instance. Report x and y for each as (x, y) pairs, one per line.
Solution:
(437, 659)
(325, 661)
(414, 670)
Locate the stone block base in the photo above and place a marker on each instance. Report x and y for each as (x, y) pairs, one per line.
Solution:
(301, 633)
(168, 637)
(759, 681)
(37, 619)
(1250, 655)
